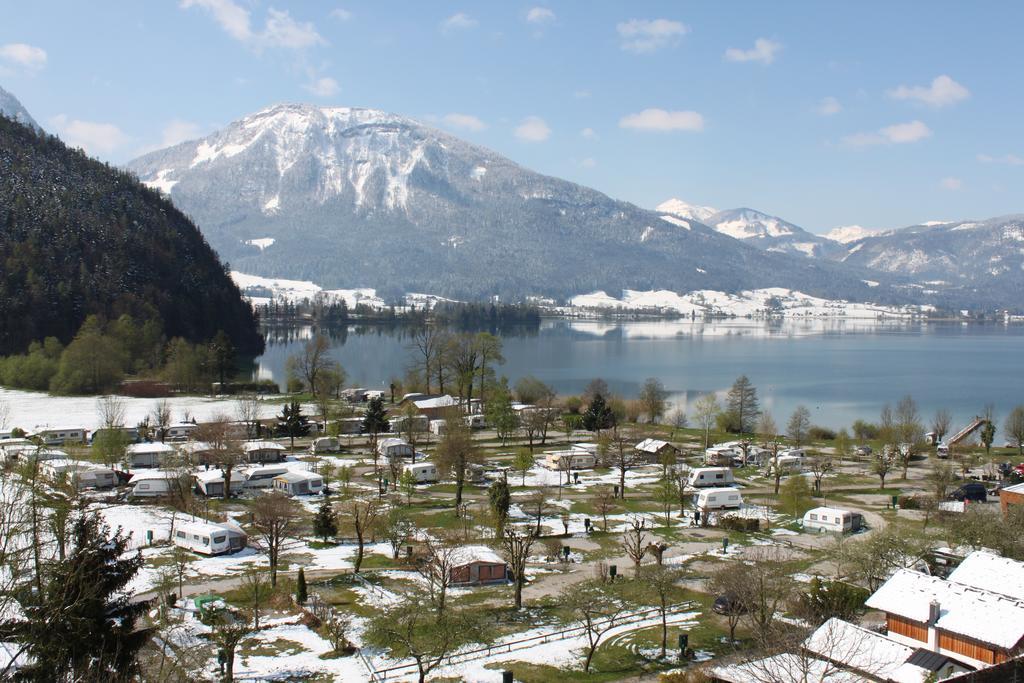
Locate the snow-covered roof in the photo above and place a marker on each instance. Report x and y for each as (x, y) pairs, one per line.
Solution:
(209, 476)
(445, 401)
(195, 447)
(250, 446)
(652, 445)
(152, 474)
(972, 612)
(202, 526)
(991, 572)
(719, 489)
(392, 441)
(786, 668)
(857, 648)
(1016, 488)
(827, 511)
(149, 448)
(292, 476)
(49, 430)
(65, 465)
(468, 554)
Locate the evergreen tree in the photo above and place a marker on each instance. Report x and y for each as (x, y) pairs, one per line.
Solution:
(374, 422)
(81, 626)
(599, 415)
(325, 523)
(742, 405)
(500, 498)
(301, 592)
(293, 422)
(223, 354)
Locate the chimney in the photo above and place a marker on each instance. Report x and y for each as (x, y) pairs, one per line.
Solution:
(934, 610)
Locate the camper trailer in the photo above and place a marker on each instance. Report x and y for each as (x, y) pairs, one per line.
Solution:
(709, 476)
(325, 444)
(181, 431)
(424, 472)
(832, 519)
(295, 483)
(58, 436)
(261, 477)
(475, 421)
(395, 448)
(579, 460)
(211, 483)
(787, 464)
(400, 424)
(438, 427)
(152, 484)
(721, 456)
(82, 474)
(147, 454)
(722, 498)
(263, 451)
(209, 538)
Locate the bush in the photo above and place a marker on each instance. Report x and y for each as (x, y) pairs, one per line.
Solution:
(734, 523)
(821, 434)
(827, 599)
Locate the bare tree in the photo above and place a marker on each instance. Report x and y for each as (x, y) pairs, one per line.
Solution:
(276, 519)
(1014, 428)
(820, 466)
(161, 418)
(604, 503)
(226, 632)
(516, 543)
(705, 410)
(910, 430)
(360, 514)
(798, 425)
(597, 606)
(660, 583)
(397, 529)
(941, 424)
(623, 455)
(883, 462)
(256, 590)
(224, 449)
(729, 583)
(428, 343)
(247, 409)
(677, 418)
(455, 453)
(634, 542)
(536, 505)
(5, 413)
(436, 565)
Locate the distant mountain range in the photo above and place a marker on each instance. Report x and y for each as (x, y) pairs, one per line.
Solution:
(12, 109)
(348, 197)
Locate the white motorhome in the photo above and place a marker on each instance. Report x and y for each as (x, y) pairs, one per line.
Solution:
(787, 464)
(181, 431)
(475, 421)
(832, 519)
(395, 448)
(295, 483)
(709, 476)
(261, 477)
(325, 444)
(438, 427)
(721, 498)
(211, 483)
(577, 460)
(719, 456)
(58, 436)
(209, 538)
(424, 472)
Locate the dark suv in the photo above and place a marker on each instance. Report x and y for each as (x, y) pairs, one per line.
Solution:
(974, 491)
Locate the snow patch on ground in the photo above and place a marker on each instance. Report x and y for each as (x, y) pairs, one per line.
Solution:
(261, 242)
(161, 181)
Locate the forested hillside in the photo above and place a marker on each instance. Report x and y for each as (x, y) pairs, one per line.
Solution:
(78, 237)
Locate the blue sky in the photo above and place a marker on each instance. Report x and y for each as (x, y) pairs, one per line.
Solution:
(874, 113)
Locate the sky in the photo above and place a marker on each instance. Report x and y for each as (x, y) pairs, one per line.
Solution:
(882, 114)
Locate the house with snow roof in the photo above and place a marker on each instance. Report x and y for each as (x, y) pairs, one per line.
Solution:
(655, 450)
(477, 564)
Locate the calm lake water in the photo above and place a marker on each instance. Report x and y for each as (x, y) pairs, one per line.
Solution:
(841, 370)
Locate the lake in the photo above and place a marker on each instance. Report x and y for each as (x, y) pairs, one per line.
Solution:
(841, 370)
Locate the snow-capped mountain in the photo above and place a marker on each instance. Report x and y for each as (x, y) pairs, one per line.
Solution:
(850, 233)
(980, 263)
(760, 229)
(349, 197)
(13, 109)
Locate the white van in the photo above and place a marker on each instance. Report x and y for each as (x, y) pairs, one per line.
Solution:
(832, 519)
(722, 498)
(709, 476)
(208, 538)
(424, 472)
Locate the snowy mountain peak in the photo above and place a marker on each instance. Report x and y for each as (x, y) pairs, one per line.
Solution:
(677, 207)
(13, 109)
(850, 233)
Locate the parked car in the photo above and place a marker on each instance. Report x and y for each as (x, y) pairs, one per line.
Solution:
(972, 490)
(728, 605)
(862, 451)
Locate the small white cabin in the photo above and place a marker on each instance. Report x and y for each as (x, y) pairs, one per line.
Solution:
(424, 472)
(420, 423)
(439, 427)
(151, 484)
(209, 538)
(181, 431)
(832, 519)
(58, 436)
(147, 454)
(198, 452)
(82, 474)
(210, 483)
(586, 447)
(261, 477)
(395, 448)
(350, 425)
(296, 483)
(263, 451)
(709, 476)
(722, 498)
(577, 460)
(325, 444)
(29, 452)
(720, 456)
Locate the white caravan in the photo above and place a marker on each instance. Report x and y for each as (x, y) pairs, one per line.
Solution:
(709, 476)
(722, 498)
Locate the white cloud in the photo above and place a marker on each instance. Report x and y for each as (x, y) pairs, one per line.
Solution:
(829, 106)
(1008, 159)
(589, 133)
(589, 162)
(23, 55)
(942, 92)
(93, 137)
(533, 129)
(648, 35)
(279, 30)
(463, 122)
(175, 132)
(895, 134)
(341, 14)
(952, 184)
(459, 22)
(660, 120)
(540, 15)
(764, 51)
(325, 86)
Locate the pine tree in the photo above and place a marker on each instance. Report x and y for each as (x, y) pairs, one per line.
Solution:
(293, 421)
(742, 405)
(325, 524)
(599, 415)
(82, 625)
(301, 593)
(500, 498)
(223, 352)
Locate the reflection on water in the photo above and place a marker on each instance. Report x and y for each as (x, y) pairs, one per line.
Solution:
(840, 369)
